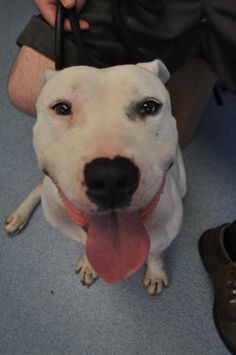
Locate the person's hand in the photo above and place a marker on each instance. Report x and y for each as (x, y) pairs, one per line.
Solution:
(47, 9)
(68, 4)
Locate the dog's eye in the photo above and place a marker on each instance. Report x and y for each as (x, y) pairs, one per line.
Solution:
(62, 109)
(149, 107)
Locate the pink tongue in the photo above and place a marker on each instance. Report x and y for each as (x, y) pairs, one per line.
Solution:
(117, 245)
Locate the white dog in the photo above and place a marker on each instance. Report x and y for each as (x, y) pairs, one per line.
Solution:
(115, 179)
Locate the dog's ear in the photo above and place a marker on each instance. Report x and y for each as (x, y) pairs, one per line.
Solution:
(158, 68)
(47, 74)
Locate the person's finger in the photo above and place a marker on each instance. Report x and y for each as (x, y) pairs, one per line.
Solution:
(84, 25)
(68, 4)
(48, 10)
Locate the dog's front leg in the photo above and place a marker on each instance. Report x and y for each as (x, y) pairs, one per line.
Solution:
(87, 274)
(17, 219)
(156, 275)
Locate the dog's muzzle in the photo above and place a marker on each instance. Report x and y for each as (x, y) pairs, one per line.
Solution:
(111, 182)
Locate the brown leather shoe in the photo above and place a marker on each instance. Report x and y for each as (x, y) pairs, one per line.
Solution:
(223, 273)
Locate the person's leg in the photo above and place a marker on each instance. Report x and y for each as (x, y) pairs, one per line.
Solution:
(25, 79)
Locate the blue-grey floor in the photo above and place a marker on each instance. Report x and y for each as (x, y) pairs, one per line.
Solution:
(43, 307)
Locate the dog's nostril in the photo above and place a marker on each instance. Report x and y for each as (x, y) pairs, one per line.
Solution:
(122, 183)
(96, 185)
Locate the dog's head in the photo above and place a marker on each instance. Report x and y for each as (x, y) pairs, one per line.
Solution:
(106, 137)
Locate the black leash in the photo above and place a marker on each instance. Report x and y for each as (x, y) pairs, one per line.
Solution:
(71, 14)
(124, 34)
(59, 28)
(128, 39)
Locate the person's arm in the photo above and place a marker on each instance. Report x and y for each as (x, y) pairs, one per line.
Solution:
(47, 9)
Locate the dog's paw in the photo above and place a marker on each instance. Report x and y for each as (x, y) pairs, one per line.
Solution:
(15, 222)
(154, 281)
(87, 274)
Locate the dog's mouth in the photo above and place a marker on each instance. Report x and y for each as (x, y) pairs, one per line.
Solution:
(117, 242)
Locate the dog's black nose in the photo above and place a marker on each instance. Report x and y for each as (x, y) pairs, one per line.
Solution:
(111, 182)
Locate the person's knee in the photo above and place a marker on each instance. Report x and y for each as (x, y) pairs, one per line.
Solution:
(25, 79)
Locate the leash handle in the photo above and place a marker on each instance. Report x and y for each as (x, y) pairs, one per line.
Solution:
(72, 15)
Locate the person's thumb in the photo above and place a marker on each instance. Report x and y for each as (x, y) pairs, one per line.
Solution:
(68, 4)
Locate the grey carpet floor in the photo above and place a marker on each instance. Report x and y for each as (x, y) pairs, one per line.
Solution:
(43, 307)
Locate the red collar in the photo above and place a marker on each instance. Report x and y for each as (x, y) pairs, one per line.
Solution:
(82, 220)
